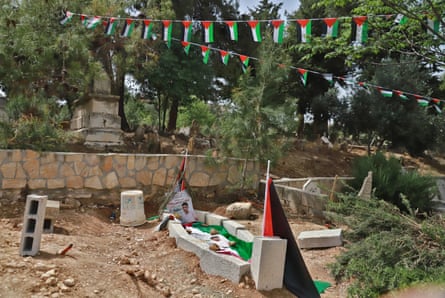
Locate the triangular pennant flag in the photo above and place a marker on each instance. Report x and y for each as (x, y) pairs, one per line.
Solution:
(205, 54)
(92, 22)
(363, 84)
(187, 30)
(438, 110)
(147, 27)
(233, 30)
(304, 34)
(400, 94)
(329, 77)
(245, 62)
(208, 31)
(186, 46)
(256, 30)
(180, 184)
(385, 93)
(67, 16)
(433, 25)
(167, 32)
(128, 28)
(297, 278)
(360, 34)
(278, 30)
(83, 19)
(400, 19)
(331, 27)
(303, 73)
(110, 28)
(224, 56)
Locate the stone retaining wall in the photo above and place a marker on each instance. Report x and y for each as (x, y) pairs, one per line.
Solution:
(52, 172)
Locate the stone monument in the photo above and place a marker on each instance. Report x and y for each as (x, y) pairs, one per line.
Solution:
(96, 118)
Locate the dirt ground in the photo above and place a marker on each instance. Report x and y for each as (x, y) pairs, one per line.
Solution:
(110, 260)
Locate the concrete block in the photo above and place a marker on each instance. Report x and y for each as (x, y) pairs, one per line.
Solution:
(132, 208)
(320, 238)
(201, 215)
(192, 244)
(176, 230)
(232, 226)
(244, 235)
(214, 219)
(267, 262)
(226, 266)
(52, 209)
(33, 221)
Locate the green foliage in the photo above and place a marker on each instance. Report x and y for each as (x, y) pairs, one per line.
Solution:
(386, 250)
(139, 112)
(198, 111)
(34, 123)
(391, 184)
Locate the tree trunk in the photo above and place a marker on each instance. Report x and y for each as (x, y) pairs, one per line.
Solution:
(173, 115)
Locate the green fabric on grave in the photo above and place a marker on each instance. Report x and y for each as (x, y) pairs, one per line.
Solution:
(243, 248)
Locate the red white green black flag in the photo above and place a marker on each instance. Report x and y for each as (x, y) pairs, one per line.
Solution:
(66, 18)
(304, 34)
(256, 30)
(186, 46)
(245, 61)
(233, 30)
(187, 30)
(278, 30)
(205, 54)
(331, 27)
(110, 28)
(224, 56)
(147, 27)
(128, 28)
(360, 34)
(303, 73)
(167, 32)
(208, 31)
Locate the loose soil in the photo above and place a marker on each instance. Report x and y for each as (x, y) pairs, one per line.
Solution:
(110, 260)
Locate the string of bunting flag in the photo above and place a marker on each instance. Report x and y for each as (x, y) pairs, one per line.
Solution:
(110, 24)
(244, 59)
(304, 26)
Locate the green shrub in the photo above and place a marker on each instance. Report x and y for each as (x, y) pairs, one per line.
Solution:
(386, 250)
(391, 184)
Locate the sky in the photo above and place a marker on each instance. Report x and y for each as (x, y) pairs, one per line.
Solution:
(289, 5)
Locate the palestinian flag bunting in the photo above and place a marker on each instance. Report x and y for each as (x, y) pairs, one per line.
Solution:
(92, 22)
(128, 28)
(385, 93)
(400, 94)
(208, 31)
(331, 27)
(296, 276)
(167, 32)
(422, 102)
(329, 77)
(205, 51)
(147, 27)
(186, 46)
(360, 34)
(400, 19)
(278, 30)
(66, 18)
(245, 62)
(224, 56)
(187, 30)
(233, 30)
(256, 30)
(110, 28)
(303, 73)
(83, 19)
(305, 26)
(433, 25)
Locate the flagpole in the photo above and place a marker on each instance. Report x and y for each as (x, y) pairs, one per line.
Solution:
(266, 189)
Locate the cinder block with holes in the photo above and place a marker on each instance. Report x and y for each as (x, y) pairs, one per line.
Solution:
(33, 221)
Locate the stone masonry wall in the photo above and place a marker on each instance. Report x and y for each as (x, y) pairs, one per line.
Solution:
(112, 172)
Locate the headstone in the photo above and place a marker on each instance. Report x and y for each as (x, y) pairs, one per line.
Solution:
(312, 187)
(366, 189)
